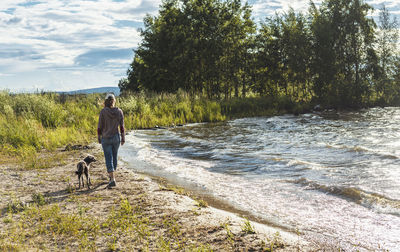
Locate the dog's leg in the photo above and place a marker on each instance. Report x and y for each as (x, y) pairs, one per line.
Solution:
(90, 181)
(79, 179)
(87, 178)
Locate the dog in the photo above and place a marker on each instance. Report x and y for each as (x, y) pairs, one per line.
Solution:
(83, 168)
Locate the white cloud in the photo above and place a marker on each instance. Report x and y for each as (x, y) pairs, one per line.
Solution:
(85, 38)
(12, 66)
(119, 61)
(265, 8)
(2, 74)
(57, 80)
(53, 34)
(262, 8)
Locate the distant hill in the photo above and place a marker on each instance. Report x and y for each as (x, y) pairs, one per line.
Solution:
(114, 90)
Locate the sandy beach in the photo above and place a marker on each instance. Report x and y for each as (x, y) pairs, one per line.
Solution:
(44, 210)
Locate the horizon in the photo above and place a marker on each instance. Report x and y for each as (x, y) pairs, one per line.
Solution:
(78, 91)
(58, 46)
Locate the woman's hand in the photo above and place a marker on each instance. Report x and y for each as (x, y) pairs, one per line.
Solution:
(122, 141)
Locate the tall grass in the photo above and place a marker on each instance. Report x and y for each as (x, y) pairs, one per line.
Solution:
(262, 106)
(30, 123)
(147, 111)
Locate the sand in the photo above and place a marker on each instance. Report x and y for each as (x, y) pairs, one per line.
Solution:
(174, 220)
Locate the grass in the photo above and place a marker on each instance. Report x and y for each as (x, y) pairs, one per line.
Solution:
(39, 199)
(147, 111)
(31, 123)
(16, 206)
(247, 228)
(262, 106)
(229, 235)
(275, 242)
(37, 221)
(176, 189)
(43, 225)
(201, 203)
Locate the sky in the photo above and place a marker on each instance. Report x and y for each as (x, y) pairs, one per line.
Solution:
(65, 45)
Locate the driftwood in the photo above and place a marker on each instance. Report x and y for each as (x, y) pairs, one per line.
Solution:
(71, 147)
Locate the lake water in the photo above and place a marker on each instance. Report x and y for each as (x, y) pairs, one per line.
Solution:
(333, 176)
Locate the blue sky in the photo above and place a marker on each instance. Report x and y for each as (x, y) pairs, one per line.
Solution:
(63, 45)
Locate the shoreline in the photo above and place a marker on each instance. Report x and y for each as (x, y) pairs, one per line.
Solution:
(160, 217)
(216, 203)
(219, 210)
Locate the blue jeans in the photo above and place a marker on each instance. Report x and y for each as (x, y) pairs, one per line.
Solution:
(110, 149)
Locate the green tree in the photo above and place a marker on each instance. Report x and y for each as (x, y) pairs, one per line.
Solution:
(194, 45)
(332, 55)
(343, 39)
(269, 57)
(237, 28)
(387, 39)
(296, 52)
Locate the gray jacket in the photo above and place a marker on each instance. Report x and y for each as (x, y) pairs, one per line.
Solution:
(109, 120)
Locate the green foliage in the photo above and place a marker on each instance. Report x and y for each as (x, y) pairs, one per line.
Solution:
(30, 123)
(40, 224)
(53, 221)
(16, 206)
(230, 236)
(41, 121)
(163, 245)
(275, 243)
(332, 55)
(176, 189)
(386, 66)
(247, 228)
(343, 70)
(257, 106)
(201, 203)
(25, 134)
(127, 220)
(40, 220)
(172, 226)
(39, 199)
(200, 248)
(168, 110)
(175, 52)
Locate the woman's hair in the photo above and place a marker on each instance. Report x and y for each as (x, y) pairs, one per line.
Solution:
(109, 102)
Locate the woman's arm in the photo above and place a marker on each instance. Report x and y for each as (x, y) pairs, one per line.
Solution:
(122, 128)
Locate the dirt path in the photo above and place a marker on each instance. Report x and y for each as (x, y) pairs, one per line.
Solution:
(44, 210)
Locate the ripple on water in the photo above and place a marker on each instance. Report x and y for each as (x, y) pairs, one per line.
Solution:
(332, 175)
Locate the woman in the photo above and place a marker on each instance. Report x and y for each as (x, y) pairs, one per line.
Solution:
(108, 136)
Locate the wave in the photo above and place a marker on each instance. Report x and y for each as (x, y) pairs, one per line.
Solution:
(361, 149)
(373, 201)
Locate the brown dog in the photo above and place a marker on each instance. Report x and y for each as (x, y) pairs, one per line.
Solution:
(83, 168)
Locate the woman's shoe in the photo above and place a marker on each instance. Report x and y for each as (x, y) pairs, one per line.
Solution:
(112, 184)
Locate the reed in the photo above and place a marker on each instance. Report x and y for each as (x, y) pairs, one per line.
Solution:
(149, 111)
(30, 123)
(262, 106)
